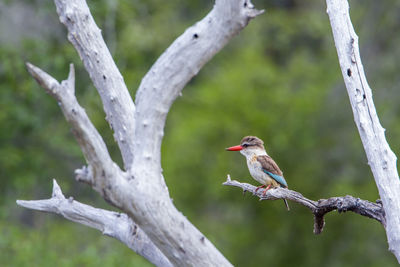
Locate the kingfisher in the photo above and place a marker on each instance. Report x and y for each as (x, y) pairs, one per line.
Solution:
(261, 166)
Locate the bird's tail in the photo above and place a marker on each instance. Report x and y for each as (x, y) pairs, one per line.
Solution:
(286, 204)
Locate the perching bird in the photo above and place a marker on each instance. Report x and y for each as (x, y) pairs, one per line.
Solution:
(261, 166)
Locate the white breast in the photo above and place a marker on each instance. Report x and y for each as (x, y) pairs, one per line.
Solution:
(257, 172)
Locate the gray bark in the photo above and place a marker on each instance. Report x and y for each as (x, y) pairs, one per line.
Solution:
(118, 105)
(320, 207)
(113, 224)
(381, 158)
(102, 174)
(140, 190)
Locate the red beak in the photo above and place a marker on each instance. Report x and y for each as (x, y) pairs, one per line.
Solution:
(234, 148)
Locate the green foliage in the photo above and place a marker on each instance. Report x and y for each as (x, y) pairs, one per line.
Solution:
(279, 80)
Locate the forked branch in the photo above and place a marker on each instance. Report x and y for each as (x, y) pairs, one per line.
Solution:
(140, 190)
(101, 166)
(321, 207)
(114, 224)
(102, 174)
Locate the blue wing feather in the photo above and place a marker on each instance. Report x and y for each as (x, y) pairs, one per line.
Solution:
(277, 178)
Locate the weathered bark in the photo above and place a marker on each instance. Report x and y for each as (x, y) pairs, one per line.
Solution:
(118, 105)
(158, 90)
(102, 173)
(114, 224)
(140, 189)
(318, 208)
(381, 158)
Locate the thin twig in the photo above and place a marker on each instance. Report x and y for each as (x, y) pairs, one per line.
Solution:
(318, 208)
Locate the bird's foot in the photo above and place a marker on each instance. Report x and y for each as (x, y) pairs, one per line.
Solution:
(258, 187)
(266, 189)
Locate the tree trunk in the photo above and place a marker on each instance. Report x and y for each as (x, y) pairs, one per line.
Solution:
(139, 189)
(381, 158)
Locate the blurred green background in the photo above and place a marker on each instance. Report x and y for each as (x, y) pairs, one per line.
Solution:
(279, 79)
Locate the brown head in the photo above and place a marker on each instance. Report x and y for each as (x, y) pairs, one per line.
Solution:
(249, 145)
(252, 141)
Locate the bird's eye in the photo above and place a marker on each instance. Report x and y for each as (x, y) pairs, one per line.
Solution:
(245, 145)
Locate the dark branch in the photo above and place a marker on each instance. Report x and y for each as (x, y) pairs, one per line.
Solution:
(321, 207)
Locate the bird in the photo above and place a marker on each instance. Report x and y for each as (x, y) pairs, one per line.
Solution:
(261, 166)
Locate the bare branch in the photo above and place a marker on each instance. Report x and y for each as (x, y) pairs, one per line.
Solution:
(126, 192)
(163, 83)
(102, 174)
(90, 141)
(318, 208)
(46, 81)
(142, 192)
(176, 66)
(381, 158)
(86, 37)
(114, 224)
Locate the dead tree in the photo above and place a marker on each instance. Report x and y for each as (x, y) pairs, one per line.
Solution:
(150, 224)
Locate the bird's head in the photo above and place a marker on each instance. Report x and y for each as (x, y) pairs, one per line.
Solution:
(250, 145)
